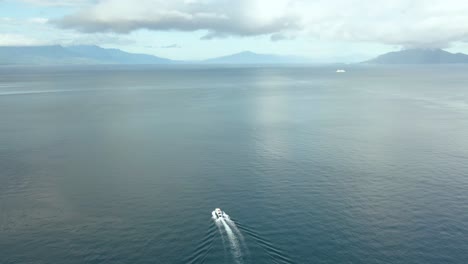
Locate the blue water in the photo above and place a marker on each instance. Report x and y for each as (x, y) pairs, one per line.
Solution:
(119, 164)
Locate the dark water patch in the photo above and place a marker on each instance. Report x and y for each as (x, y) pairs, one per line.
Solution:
(110, 164)
(204, 247)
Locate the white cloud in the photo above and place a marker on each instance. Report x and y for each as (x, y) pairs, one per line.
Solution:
(171, 46)
(19, 40)
(281, 36)
(58, 2)
(38, 20)
(37, 31)
(94, 39)
(431, 23)
(220, 18)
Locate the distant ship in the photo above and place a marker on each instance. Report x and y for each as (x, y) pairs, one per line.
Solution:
(340, 71)
(217, 214)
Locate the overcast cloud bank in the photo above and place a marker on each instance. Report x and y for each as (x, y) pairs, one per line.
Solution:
(410, 23)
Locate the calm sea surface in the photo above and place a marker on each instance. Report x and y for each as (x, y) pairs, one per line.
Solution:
(124, 165)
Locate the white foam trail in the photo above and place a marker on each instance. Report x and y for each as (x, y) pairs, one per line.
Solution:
(236, 230)
(233, 240)
(234, 227)
(219, 225)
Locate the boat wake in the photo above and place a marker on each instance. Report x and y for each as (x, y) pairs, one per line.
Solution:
(276, 255)
(228, 228)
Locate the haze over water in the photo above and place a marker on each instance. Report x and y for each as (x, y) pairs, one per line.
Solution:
(124, 164)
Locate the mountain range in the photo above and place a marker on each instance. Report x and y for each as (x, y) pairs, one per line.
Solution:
(73, 55)
(84, 54)
(420, 56)
(52, 55)
(248, 57)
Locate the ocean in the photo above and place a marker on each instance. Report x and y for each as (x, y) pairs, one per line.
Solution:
(125, 164)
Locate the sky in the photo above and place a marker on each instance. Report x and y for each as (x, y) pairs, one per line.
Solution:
(323, 30)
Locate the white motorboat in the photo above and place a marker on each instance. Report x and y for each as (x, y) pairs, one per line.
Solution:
(218, 214)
